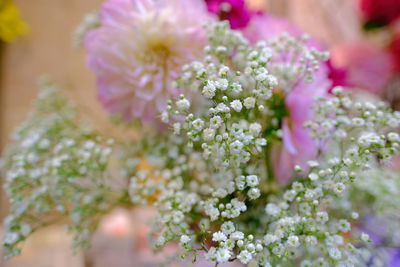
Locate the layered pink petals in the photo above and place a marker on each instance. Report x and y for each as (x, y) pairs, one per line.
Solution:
(139, 50)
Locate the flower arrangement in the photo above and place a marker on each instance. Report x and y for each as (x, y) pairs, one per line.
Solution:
(11, 25)
(243, 148)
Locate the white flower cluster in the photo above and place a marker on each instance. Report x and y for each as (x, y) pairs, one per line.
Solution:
(377, 193)
(56, 169)
(229, 131)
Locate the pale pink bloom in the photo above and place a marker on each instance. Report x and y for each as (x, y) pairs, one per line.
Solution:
(139, 50)
(369, 67)
(117, 223)
(266, 26)
(298, 147)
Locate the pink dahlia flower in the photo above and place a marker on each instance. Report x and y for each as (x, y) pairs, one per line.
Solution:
(235, 11)
(139, 49)
(298, 147)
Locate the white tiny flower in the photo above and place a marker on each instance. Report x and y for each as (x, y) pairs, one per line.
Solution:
(177, 128)
(272, 209)
(289, 195)
(185, 239)
(236, 147)
(312, 163)
(228, 227)
(322, 217)
(208, 134)
(211, 254)
(236, 88)
(278, 250)
(358, 122)
(26, 229)
(219, 236)
(354, 215)
(252, 180)
(249, 102)
(221, 107)
(335, 254)
(222, 84)
(338, 188)
(306, 263)
(183, 104)
(344, 226)
(337, 90)
(164, 117)
(177, 216)
(223, 71)
(236, 105)
(215, 122)
(305, 208)
(10, 238)
(298, 187)
(223, 255)
(269, 238)
(293, 241)
(298, 168)
(237, 235)
(393, 137)
(311, 240)
(245, 257)
(365, 238)
(250, 247)
(272, 81)
(313, 176)
(261, 77)
(160, 241)
(209, 90)
(198, 124)
(255, 128)
(214, 214)
(260, 142)
(254, 193)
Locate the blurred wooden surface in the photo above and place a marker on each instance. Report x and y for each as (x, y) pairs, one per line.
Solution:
(46, 50)
(47, 248)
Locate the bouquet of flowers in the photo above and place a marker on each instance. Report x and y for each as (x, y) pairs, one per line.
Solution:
(242, 143)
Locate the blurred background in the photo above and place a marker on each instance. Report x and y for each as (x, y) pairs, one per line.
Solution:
(45, 48)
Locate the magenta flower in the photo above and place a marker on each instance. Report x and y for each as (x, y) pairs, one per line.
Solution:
(380, 11)
(139, 49)
(338, 76)
(235, 11)
(394, 49)
(298, 147)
